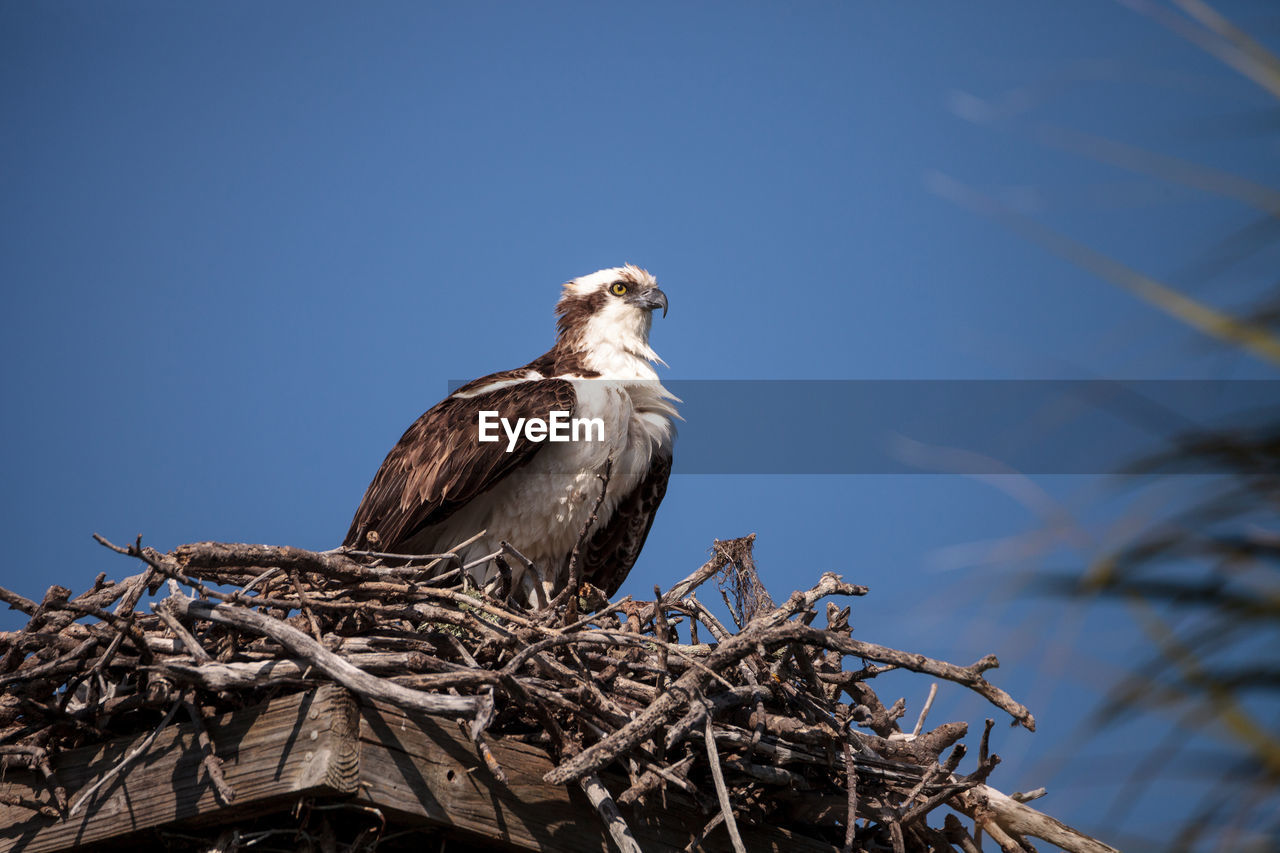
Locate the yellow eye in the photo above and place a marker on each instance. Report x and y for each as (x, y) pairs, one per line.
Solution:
(619, 289)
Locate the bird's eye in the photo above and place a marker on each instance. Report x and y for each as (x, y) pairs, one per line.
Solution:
(619, 289)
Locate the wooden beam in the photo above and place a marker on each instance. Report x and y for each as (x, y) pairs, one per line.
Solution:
(418, 770)
(425, 769)
(302, 744)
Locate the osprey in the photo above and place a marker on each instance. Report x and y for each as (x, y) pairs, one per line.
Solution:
(445, 481)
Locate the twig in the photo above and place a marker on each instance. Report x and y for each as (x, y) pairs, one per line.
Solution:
(80, 651)
(924, 712)
(451, 555)
(135, 588)
(722, 793)
(1014, 816)
(851, 785)
(598, 615)
(133, 755)
(304, 604)
(486, 755)
(324, 660)
(188, 640)
(211, 762)
(599, 796)
(697, 843)
(18, 602)
(984, 746)
(38, 758)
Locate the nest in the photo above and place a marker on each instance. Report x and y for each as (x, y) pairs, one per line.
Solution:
(772, 722)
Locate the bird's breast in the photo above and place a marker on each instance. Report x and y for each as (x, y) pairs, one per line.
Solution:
(542, 506)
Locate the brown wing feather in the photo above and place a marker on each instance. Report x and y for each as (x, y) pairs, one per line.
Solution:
(439, 463)
(614, 548)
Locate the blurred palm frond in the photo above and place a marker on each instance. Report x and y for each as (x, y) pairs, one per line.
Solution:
(1201, 580)
(1256, 339)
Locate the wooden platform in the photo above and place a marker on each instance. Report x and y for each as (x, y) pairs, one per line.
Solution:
(323, 745)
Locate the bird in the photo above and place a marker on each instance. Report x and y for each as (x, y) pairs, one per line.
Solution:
(454, 473)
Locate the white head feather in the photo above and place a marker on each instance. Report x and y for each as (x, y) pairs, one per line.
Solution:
(613, 337)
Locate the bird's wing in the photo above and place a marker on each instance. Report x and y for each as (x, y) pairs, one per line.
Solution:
(439, 463)
(613, 549)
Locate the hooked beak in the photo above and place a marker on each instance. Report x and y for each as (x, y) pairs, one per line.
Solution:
(655, 299)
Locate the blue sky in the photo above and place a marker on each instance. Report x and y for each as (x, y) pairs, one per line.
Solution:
(244, 245)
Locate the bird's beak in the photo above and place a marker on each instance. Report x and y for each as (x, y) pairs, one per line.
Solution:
(655, 299)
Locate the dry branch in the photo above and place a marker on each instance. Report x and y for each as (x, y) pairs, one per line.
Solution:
(324, 660)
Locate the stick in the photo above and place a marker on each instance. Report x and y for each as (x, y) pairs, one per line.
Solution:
(305, 605)
(449, 556)
(37, 758)
(599, 796)
(1024, 820)
(179, 630)
(851, 784)
(924, 712)
(324, 660)
(133, 755)
(211, 762)
(695, 844)
(598, 615)
(125, 609)
(75, 654)
(717, 774)
(18, 602)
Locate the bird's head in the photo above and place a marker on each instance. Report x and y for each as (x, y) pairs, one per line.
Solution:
(606, 317)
